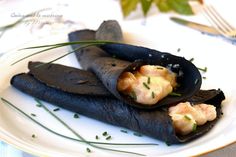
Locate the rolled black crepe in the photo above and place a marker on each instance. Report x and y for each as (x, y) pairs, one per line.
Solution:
(155, 123)
(108, 30)
(68, 79)
(108, 69)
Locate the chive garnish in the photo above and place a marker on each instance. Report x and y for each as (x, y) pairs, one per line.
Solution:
(175, 94)
(79, 136)
(160, 68)
(108, 138)
(153, 95)
(124, 131)
(66, 137)
(133, 95)
(105, 133)
(88, 150)
(194, 127)
(204, 77)
(33, 136)
(187, 117)
(56, 109)
(196, 81)
(178, 50)
(32, 114)
(202, 69)
(146, 86)
(38, 105)
(96, 137)
(76, 115)
(149, 80)
(191, 60)
(167, 143)
(137, 134)
(58, 45)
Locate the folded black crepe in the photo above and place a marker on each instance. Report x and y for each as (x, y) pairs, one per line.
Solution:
(108, 69)
(81, 91)
(42, 82)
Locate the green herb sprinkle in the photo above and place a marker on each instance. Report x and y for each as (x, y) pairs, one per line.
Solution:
(88, 150)
(56, 109)
(187, 117)
(76, 115)
(149, 80)
(194, 127)
(153, 95)
(146, 86)
(108, 138)
(124, 131)
(32, 114)
(105, 133)
(137, 134)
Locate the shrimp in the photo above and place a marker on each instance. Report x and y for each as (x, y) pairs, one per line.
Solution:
(200, 114)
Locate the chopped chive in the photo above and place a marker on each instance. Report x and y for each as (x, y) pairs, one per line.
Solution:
(153, 95)
(32, 114)
(78, 135)
(149, 80)
(105, 133)
(38, 105)
(175, 94)
(124, 131)
(196, 81)
(146, 86)
(137, 134)
(78, 140)
(84, 44)
(178, 50)
(203, 69)
(88, 150)
(33, 136)
(167, 143)
(194, 127)
(187, 117)
(160, 68)
(191, 60)
(96, 137)
(204, 77)
(133, 95)
(56, 109)
(76, 115)
(108, 138)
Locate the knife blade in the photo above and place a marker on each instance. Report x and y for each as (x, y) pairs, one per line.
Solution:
(196, 26)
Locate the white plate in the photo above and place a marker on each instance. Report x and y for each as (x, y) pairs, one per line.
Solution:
(17, 130)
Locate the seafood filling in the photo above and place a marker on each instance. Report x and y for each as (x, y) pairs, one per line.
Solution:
(148, 85)
(186, 117)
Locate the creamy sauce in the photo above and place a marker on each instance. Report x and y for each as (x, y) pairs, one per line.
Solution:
(186, 117)
(147, 85)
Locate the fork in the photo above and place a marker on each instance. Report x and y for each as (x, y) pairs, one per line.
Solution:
(219, 23)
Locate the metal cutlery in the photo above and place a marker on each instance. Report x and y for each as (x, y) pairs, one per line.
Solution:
(219, 23)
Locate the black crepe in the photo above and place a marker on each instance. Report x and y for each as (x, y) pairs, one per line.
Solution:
(154, 123)
(108, 69)
(68, 79)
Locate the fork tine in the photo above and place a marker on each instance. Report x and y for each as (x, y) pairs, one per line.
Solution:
(219, 23)
(220, 18)
(214, 22)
